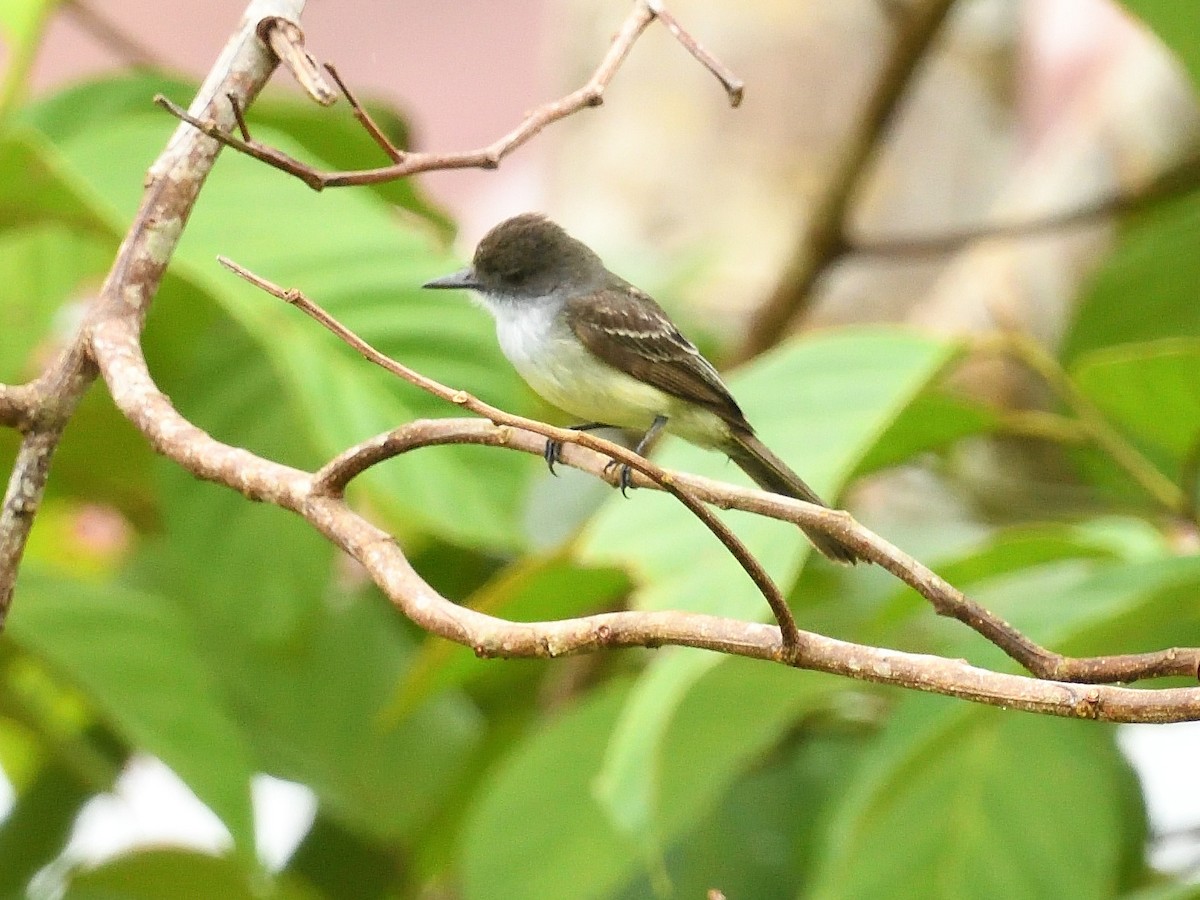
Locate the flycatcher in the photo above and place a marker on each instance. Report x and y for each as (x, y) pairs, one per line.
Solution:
(595, 346)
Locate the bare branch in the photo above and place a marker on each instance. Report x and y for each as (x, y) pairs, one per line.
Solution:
(17, 405)
(115, 343)
(489, 157)
(734, 86)
(946, 599)
(286, 41)
(692, 491)
(174, 183)
(770, 591)
(824, 239)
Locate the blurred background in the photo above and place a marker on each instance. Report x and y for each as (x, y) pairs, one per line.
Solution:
(1015, 259)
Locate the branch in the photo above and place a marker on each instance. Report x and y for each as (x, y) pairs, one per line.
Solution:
(1179, 180)
(124, 45)
(824, 240)
(17, 405)
(489, 157)
(110, 338)
(174, 183)
(334, 485)
(115, 343)
(946, 599)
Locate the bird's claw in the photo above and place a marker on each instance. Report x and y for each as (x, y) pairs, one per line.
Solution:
(625, 479)
(552, 453)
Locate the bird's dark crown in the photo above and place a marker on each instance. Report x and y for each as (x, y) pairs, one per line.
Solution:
(530, 255)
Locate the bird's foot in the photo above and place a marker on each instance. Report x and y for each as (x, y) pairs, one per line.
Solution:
(625, 479)
(552, 453)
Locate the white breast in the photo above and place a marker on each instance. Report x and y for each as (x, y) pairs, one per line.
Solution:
(556, 365)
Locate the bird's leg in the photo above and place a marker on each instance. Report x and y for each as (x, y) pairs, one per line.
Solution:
(553, 450)
(648, 438)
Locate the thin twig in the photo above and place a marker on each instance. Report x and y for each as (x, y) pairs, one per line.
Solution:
(753, 568)
(286, 40)
(735, 88)
(394, 153)
(824, 238)
(489, 157)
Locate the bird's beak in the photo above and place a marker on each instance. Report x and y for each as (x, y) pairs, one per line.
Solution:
(463, 279)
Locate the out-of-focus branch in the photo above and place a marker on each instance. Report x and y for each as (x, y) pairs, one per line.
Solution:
(1091, 421)
(824, 238)
(410, 163)
(1178, 181)
(132, 51)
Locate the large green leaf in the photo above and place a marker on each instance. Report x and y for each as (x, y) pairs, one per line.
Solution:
(821, 403)
(153, 874)
(1177, 25)
(967, 802)
(1147, 289)
(730, 718)
(130, 653)
(349, 252)
(1152, 390)
(563, 846)
(843, 392)
(757, 842)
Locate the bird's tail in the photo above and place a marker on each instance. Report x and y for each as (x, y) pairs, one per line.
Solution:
(771, 473)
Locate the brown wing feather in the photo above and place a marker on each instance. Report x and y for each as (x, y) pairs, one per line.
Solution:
(625, 327)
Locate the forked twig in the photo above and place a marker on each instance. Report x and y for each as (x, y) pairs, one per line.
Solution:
(792, 636)
(410, 163)
(694, 492)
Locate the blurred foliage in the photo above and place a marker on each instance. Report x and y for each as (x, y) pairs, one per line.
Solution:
(159, 615)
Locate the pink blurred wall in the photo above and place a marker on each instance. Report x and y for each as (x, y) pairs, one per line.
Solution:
(464, 71)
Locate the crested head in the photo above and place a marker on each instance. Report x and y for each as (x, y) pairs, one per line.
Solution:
(530, 256)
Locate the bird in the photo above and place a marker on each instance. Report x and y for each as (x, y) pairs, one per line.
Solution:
(595, 346)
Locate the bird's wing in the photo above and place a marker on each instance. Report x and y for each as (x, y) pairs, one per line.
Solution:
(625, 328)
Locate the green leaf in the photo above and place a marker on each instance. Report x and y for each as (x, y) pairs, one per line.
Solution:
(129, 652)
(22, 23)
(757, 841)
(153, 874)
(821, 403)
(1176, 24)
(549, 783)
(563, 846)
(843, 391)
(348, 251)
(952, 802)
(1147, 288)
(933, 421)
(1152, 390)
